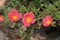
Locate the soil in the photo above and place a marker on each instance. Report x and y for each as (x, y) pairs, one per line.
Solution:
(3, 36)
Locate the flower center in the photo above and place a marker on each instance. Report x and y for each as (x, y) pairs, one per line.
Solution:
(28, 19)
(48, 22)
(15, 17)
(1, 17)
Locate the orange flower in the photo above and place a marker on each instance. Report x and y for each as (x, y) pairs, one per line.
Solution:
(47, 21)
(14, 15)
(28, 19)
(1, 18)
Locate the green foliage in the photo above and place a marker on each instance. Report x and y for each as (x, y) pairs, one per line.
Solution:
(57, 3)
(57, 15)
(36, 6)
(23, 9)
(40, 8)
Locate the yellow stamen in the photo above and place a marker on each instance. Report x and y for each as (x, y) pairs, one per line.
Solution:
(15, 17)
(48, 22)
(28, 19)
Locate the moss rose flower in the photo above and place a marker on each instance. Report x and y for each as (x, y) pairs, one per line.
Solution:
(1, 18)
(14, 15)
(47, 21)
(28, 19)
